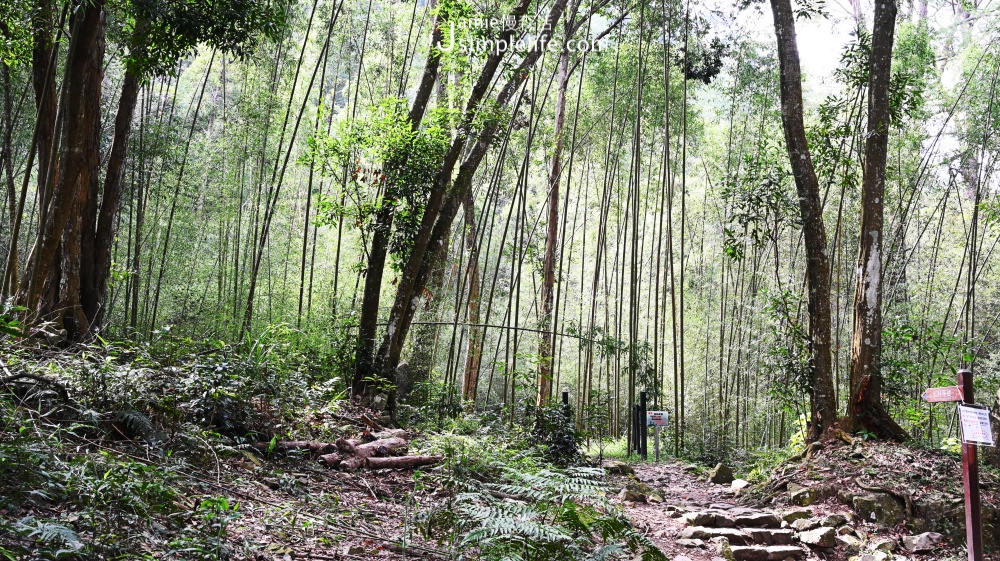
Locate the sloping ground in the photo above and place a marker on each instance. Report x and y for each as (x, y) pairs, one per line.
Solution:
(863, 501)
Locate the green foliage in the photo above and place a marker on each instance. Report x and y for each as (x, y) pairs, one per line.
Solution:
(391, 170)
(204, 538)
(760, 200)
(555, 431)
(15, 32)
(161, 33)
(548, 514)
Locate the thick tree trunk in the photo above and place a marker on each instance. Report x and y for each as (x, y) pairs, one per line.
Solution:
(865, 408)
(52, 289)
(551, 238)
(474, 352)
(822, 403)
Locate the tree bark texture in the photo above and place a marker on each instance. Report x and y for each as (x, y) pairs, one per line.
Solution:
(865, 408)
(822, 403)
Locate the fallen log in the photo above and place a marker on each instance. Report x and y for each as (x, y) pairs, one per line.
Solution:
(394, 446)
(402, 462)
(314, 448)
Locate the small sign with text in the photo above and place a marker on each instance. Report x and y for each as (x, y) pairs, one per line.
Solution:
(976, 428)
(656, 418)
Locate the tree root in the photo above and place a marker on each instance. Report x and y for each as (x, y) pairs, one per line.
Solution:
(906, 499)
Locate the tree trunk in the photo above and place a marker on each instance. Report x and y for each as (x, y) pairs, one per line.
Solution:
(364, 370)
(865, 408)
(56, 265)
(447, 193)
(822, 404)
(45, 96)
(551, 238)
(474, 353)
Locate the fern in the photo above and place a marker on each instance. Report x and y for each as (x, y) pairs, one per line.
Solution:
(49, 533)
(547, 515)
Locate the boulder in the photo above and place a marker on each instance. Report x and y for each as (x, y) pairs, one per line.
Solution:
(884, 544)
(721, 475)
(880, 508)
(615, 467)
(738, 486)
(805, 524)
(631, 496)
(850, 543)
(820, 537)
(690, 543)
(834, 520)
(922, 543)
(749, 553)
(803, 496)
(793, 515)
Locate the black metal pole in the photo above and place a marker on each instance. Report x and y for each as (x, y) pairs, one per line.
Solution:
(642, 424)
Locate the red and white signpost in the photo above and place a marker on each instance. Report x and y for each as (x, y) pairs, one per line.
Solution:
(973, 434)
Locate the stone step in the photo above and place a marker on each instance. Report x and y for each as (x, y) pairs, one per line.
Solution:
(708, 519)
(768, 553)
(758, 520)
(705, 533)
(769, 536)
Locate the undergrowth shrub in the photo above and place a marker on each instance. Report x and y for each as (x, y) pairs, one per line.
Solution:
(547, 514)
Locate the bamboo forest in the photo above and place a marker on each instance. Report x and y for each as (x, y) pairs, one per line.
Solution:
(500, 279)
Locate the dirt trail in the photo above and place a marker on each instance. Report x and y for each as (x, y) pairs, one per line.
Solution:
(693, 511)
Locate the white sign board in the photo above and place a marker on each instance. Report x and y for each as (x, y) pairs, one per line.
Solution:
(656, 418)
(976, 428)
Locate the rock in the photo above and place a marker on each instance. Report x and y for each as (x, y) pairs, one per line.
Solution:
(845, 531)
(821, 537)
(354, 550)
(380, 401)
(699, 519)
(738, 485)
(783, 552)
(655, 498)
(884, 544)
(758, 520)
(723, 549)
(834, 520)
(749, 553)
(922, 543)
(805, 524)
(850, 543)
(880, 508)
(721, 475)
(631, 496)
(731, 535)
(803, 496)
(682, 558)
(690, 543)
(691, 468)
(793, 515)
(846, 497)
(769, 536)
(615, 467)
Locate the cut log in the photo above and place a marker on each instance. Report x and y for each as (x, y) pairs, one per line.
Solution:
(380, 448)
(402, 462)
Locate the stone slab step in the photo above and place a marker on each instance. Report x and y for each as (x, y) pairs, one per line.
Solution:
(704, 533)
(769, 536)
(769, 553)
(758, 520)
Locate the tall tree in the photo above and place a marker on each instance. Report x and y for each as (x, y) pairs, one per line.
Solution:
(865, 408)
(472, 141)
(823, 406)
(70, 264)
